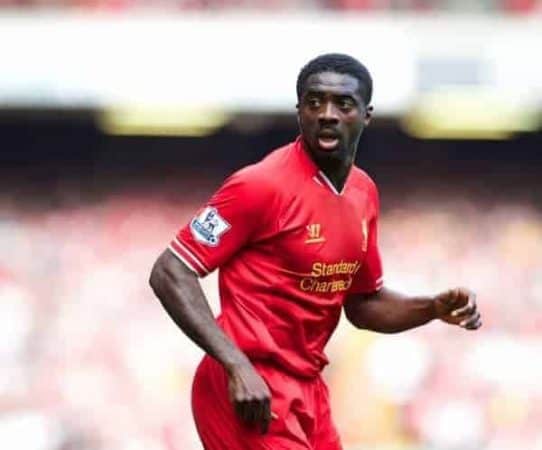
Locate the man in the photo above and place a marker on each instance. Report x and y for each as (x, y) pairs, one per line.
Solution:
(295, 237)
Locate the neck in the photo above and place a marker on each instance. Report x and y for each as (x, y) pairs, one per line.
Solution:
(336, 173)
(336, 168)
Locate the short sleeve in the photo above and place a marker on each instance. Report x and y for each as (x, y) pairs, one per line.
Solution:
(370, 276)
(233, 217)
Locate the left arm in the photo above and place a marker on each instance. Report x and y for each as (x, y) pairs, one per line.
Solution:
(386, 311)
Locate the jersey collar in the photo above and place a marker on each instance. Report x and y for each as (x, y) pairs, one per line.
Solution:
(310, 167)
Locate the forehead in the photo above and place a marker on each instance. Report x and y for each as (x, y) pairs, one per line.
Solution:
(333, 83)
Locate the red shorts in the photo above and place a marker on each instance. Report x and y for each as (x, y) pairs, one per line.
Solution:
(302, 406)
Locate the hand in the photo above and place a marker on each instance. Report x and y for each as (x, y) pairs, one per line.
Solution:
(458, 307)
(250, 396)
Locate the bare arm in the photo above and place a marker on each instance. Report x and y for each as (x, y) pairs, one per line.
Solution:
(387, 311)
(180, 293)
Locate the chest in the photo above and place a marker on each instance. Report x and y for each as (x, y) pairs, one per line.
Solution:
(323, 234)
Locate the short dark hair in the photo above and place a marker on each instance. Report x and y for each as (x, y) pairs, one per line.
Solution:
(338, 63)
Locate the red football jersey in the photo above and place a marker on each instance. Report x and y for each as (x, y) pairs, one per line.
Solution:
(289, 248)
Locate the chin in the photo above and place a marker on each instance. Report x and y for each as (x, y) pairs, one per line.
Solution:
(336, 153)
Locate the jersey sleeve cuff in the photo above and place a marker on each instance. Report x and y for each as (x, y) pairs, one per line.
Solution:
(188, 258)
(375, 287)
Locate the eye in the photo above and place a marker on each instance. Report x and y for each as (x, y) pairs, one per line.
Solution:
(313, 102)
(346, 103)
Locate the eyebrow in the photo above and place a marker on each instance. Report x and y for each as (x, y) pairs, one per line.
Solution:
(323, 92)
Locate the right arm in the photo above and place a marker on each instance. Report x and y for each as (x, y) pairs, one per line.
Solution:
(180, 293)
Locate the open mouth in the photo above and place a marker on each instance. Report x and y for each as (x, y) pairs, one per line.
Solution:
(328, 141)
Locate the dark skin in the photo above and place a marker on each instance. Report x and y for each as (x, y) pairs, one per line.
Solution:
(181, 295)
(332, 116)
(332, 105)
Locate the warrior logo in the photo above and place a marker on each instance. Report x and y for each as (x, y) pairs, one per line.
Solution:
(314, 236)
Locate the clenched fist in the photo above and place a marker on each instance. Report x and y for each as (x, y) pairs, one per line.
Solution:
(458, 307)
(250, 396)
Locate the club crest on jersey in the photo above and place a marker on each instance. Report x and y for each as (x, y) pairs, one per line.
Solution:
(365, 232)
(208, 226)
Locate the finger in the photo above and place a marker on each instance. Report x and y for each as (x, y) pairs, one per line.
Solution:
(471, 321)
(266, 416)
(243, 410)
(246, 415)
(469, 308)
(240, 410)
(466, 310)
(477, 325)
(253, 413)
(265, 425)
(256, 407)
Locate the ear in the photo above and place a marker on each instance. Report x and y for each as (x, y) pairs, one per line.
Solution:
(368, 115)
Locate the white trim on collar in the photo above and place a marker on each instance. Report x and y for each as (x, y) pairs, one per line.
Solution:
(329, 184)
(315, 178)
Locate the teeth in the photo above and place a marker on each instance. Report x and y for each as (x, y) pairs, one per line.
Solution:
(327, 143)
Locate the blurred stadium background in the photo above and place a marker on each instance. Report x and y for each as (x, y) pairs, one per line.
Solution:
(119, 117)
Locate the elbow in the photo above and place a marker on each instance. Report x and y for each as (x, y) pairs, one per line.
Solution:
(378, 326)
(161, 275)
(156, 278)
(356, 309)
(351, 317)
(365, 315)
(388, 329)
(168, 274)
(355, 316)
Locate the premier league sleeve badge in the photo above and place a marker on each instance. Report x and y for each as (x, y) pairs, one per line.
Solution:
(208, 226)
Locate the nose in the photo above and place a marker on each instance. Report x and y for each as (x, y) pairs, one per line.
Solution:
(328, 113)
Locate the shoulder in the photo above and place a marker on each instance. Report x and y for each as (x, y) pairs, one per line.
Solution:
(367, 189)
(266, 175)
(362, 181)
(260, 182)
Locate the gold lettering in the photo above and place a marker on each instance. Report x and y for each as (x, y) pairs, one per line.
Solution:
(312, 285)
(321, 269)
(317, 269)
(321, 287)
(324, 269)
(307, 284)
